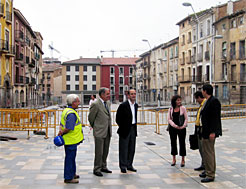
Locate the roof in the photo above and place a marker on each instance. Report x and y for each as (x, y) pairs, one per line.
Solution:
(83, 61)
(118, 61)
(50, 67)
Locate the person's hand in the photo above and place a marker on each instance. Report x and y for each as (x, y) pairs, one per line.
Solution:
(60, 133)
(212, 136)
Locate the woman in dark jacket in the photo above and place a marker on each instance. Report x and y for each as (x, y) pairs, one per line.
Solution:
(177, 119)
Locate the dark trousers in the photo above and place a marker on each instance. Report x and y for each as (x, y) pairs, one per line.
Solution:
(173, 137)
(198, 133)
(69, 163)
(127, 149)
(101, 152)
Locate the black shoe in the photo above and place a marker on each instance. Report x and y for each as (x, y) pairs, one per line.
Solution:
(105, 170)
(201, 168)
(182, 165)
(207, 180)
(203, 175)
(132, 169)
(72, 181)
(76, 176)
(174, 163)
(123, 170)
(99, 174)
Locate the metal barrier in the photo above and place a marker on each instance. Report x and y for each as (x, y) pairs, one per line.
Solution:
(31, 120)
(23, 120)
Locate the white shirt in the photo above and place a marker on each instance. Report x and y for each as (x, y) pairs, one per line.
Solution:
(132, 106)
(92, 101)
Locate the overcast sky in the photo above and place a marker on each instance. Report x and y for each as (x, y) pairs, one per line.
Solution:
(85, 27)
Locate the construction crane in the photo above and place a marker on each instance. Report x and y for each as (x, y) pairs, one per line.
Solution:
(113, 51)
(51, 47)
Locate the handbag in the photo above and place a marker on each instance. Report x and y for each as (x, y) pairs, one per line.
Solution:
(193, 142)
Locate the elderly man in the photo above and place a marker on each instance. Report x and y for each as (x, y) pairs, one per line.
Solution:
(71, 131)
(100, 120)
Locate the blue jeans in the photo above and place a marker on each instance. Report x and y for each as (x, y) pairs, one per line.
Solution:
(69, 163)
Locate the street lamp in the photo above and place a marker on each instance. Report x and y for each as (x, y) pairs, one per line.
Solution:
(146, 40)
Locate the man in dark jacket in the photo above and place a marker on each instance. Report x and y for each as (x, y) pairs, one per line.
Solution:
(211, 128)
(126, 118)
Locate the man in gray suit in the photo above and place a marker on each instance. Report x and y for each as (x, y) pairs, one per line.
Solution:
(100, 120)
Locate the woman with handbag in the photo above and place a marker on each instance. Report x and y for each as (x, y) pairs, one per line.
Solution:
(177, 120)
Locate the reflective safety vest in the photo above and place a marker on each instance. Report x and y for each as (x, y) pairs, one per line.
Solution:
(73, 136)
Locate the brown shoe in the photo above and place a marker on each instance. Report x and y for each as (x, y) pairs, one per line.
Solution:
(72, 181)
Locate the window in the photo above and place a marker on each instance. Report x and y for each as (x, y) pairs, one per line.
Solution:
(242, 49)
(77, 68)
(176, 51)
(85, 77)
(111, 80)
(85, 68)
(111, 70)
(224, 71)
(225, 92)
(201, 31)
(131, 70)
(85, 87)
(189, 37)
(121, 71)
(208, 27)
(224, 49)
(76, 77)
(77, 87)
(68, 68)
(233, 50)
(121, 80)
(94, 87)
(216, 91)
(94, 78)
(130, 80)
(183, 39)
(68, 77)
(94, 68)
(194, 34)
(233, 23)
(240, 20)
(121, 90)
(223, 27)
(48, 85)
(68, 87)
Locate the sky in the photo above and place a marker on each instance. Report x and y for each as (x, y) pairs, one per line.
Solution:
(83, 28)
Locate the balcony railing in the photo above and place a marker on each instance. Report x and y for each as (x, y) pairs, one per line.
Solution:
(27, 80)
(193, 59)
(19, 35)
(188, 60)
(19, 56)
(223, 56)
(243, 77)
(184, 78)
(200, 57)
(8, 17)
(27, 59)
(19, 79)
(182, 61)
(200, 78)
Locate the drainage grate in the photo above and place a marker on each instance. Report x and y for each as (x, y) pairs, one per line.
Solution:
(149, 143)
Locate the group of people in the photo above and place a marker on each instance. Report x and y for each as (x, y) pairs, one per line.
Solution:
(207, 128)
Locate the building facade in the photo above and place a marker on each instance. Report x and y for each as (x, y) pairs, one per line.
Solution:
(117, 75)
(81, 76)
(230, 59)
(6, 53)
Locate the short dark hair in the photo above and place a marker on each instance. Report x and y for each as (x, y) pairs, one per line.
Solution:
(208, 88)
(94, 96)
(173, 101)
(198, 94)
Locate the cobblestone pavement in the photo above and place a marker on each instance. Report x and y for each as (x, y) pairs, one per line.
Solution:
(37, 163)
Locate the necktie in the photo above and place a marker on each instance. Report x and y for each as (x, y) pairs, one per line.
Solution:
(105, 104)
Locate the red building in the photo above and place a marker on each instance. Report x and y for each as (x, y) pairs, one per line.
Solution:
(117, 75)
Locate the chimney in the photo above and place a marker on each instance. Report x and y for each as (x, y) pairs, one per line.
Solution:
(80, 57)
(229, 7)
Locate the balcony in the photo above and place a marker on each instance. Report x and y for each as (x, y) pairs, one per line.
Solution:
(223, 56)
(184, 78)
(19, 35)
(200, 57)
(33, 81)
(27, 59)
(188, 60)
(8, 17)
(242, 54)
(1, 9)
(193, 59)
(19, 80)
(207, 55)
(19, 56)
(182, 61)
(27, 80)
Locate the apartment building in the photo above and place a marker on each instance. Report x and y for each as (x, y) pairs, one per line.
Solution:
(27, 66)
(185, 59)
(230, 59)
(117, 75)
(81, 76)
(50, 83)
(57, 99)
(6, 54)
(169, 69)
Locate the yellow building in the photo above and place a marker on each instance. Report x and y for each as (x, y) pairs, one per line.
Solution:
(6, 52)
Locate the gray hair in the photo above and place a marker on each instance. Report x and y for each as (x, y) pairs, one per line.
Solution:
(102, 90)
(71, 98)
